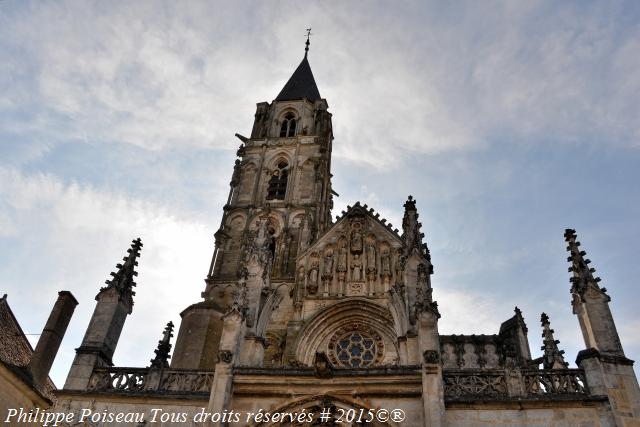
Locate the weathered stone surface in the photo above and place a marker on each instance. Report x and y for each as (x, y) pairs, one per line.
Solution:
(302, 313)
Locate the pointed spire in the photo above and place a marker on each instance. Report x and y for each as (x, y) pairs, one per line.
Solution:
(552, 358)
(122, 279)
(411, 234)
(583, 277)
(301, 84)
(164, 347)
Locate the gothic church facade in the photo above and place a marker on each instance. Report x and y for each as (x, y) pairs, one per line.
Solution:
(301, 312)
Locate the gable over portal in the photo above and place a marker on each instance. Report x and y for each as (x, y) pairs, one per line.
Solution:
(357, 256)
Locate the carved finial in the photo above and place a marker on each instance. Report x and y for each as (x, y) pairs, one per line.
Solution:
(122, 279)
(582, 274)
(552, 358)
(306, 49)
(544, 319)
(410, 204)
(161, 360)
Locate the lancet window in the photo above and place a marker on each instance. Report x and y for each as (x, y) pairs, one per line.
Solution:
(278, 182)
(288, 127)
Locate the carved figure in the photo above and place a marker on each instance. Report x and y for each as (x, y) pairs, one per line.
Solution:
(313, 275)
(342, 259)
(261, 234)
(371, 257)
(400, 267)
(386, 262)
(312, 286)
(422, 275)
(328, 263)
(356, 241)
(304, 235)
(356, 265)
(301, 275)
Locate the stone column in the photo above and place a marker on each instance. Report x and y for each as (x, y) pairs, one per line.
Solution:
(232, 335)
(432, 383)
(613, 376)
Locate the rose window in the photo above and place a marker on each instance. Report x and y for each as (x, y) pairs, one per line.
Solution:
(356, 347)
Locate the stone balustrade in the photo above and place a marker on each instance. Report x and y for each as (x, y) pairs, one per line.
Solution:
(137, 380)
(465, 384)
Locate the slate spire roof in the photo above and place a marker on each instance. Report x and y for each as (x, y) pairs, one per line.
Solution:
(301, 84)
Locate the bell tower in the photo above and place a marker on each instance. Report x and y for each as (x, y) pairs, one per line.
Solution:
(279, 202)
(281, 177)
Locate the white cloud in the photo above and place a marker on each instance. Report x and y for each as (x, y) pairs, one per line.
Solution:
(469, 312)
(77, 235)
(421, 78)
(161, 76)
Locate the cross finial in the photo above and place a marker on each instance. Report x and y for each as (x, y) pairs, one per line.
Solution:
(306, 49)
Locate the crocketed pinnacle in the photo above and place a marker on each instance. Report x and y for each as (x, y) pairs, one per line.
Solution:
(582, 274)
(411, 234)
(122, 279)
(552, 358)
(161, 360)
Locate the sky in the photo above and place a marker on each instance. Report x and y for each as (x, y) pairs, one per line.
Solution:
(507, 121)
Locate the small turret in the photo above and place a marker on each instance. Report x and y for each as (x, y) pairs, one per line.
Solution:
(591, 302)
(122, 279)
(514, 341)
(115, 302)
(411, 234)
(161, 360)
(608, 371)
(552, 358)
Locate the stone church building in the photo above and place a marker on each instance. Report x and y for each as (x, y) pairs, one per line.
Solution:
(303, 313)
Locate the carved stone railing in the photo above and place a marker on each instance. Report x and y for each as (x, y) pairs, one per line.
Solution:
(550, 382)
(189, 381)
(122, 379)
(459, 384)
(514, 383)
(143, 380)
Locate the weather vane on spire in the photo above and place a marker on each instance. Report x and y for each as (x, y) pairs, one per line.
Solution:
(306, 49)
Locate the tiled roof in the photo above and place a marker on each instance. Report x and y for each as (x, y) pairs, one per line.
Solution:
(15, 350)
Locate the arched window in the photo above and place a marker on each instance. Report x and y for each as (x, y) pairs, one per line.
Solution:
(278, 182)
(288, 127)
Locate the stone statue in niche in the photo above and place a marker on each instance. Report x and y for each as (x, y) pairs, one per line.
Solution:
(304, 235)
(356, 241)
(301, 276)
(386, 262)
(261, 234)
(371, 257)
(328, 263)
(313, 278)
(400, 263)
(235, 177)
(356, 265)
(422, 276)
(342, 258)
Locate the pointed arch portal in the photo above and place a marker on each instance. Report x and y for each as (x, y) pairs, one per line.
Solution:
(316, 336)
